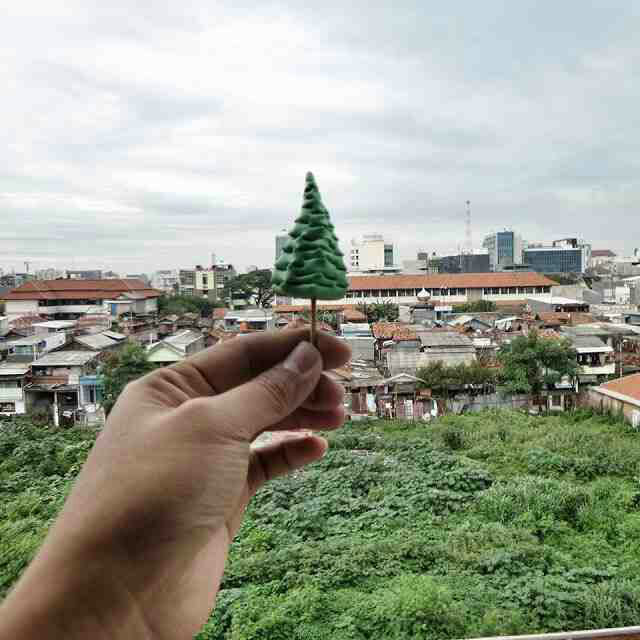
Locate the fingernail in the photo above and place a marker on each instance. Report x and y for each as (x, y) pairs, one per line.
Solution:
(302, 359)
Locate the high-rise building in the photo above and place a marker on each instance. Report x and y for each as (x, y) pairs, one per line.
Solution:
(569, 255)
(209, 283)
(78, 274)
(166, 280)
(505, 249)
(371, 253)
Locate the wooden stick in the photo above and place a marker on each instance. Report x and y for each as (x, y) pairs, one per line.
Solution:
(314, 328)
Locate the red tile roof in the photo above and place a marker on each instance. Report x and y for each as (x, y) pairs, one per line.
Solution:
(299, 308)
(627, 386)
(71, 289)
(450, 280)
(393, 331)
(353, 315)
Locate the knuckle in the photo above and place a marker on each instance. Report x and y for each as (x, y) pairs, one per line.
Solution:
(278, 387)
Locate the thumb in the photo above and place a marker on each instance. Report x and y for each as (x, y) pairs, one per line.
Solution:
(274, 394)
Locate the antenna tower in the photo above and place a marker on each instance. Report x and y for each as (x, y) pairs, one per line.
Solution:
(467, 231)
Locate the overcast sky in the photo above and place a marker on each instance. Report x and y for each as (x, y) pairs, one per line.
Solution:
(137, 138)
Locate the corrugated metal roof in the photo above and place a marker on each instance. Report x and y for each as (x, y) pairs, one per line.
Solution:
(96, 341)
(589, 342)
(13, 369)
(444, 339)
(115, 335)
(183, 339)
(65, 358)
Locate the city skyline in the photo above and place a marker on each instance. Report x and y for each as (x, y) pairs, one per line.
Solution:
(138, 137)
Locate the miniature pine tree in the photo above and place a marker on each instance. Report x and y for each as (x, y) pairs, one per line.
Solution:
(311, 264)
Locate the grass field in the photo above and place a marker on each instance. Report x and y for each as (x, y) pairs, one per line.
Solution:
(488, 524)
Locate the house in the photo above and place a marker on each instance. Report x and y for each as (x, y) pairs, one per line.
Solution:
(632, 318)
(176, 348)
(255, 319)
(466, 323)
(30, 348)
(13, 377)
(64, 384)
(68, 299)
(618, 397)
(449, 347)
(102, 343)
(596, 359)
(53, 326)
(400, 397)
(557, 304)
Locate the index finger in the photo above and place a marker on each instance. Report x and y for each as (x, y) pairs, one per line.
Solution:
(237, 361)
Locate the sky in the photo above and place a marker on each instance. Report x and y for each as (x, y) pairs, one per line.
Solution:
(137, 138)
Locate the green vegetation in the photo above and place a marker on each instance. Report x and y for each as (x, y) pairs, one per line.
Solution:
(486, 524)
(386, 311)
(121, 368)
(532, 363)
(478, 306)
(168, 305)
(254, 288)
(440, 377)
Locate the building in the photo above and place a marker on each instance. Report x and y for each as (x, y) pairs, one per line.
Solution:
(70, 299)
(48, 274)
(281, 240)
(505, 249)
(64, 384)
(596, 359)
(446, 289)
(558, 304)
(619, 397)
(569, 255)
(601, 256)
(31, 348)
(176, 348)
(166, 280)
(13, 377)
(449, 347)
(102, 343)
(254, 319)
(465, 263)
(206, 283)
(74, 274)
(371, 253)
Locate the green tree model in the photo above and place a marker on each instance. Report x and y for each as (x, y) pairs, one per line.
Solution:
(311, 264)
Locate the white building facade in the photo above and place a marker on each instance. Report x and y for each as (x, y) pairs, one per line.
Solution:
(371, 252)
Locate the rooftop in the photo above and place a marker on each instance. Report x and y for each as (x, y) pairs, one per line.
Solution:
(65, 359)
(182, 340)
(80, 289)
(13, 369)
(56, 324)
(450, 280)
(393, 331)
(589, 344)
(628, 386)
(431, 339)
(602, 253)
(27, 341)
(97, 341)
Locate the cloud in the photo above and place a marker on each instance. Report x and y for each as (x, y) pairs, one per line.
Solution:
(138, 138)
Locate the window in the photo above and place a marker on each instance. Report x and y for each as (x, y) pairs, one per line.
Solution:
(556, 401)
(504, 291)
(495, 291)
(528, 289)
(513, 290)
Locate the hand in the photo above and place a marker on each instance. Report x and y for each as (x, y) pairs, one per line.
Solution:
(139, 548)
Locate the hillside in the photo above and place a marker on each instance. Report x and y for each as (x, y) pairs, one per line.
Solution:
(486, 524)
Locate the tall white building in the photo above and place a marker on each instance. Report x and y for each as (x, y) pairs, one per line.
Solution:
(165, 280)
(371, 253)
(504, 248)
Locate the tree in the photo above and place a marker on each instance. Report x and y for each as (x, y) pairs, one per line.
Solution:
(254, 286)
(311, 264)
(121, 368)
(386, 311)
(532, 363)
(440, 377)
(168, 305)
(478, 306)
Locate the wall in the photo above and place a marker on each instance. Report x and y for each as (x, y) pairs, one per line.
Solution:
(607, 404)
(361, 348)
(403, 362)
(17, 308)
(490, 401)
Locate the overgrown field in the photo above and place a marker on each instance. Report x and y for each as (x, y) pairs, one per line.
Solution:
(488, 524)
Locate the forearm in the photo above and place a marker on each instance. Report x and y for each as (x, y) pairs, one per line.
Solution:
(58, 598)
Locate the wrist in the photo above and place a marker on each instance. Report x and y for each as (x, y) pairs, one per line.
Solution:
(69, 597)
